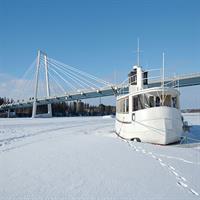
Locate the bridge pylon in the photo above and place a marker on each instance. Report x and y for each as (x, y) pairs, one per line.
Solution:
(34, 110)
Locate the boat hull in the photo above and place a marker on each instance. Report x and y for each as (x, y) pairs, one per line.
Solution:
(159, 125)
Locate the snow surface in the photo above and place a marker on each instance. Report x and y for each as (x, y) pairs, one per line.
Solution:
(82, 158)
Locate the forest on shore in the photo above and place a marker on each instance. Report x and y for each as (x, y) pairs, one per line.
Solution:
(73, 108)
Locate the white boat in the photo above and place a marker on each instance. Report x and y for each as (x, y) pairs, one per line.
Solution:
(148, 114)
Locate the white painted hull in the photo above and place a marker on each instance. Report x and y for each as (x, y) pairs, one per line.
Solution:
(159, 125)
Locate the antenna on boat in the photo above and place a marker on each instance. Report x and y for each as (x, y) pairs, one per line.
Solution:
(163, 76)
(138, 52)
(163, 68)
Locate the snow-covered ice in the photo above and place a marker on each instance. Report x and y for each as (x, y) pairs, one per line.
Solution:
(82, 158)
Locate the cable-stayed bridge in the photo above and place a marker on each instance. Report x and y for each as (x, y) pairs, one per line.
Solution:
(55, 82)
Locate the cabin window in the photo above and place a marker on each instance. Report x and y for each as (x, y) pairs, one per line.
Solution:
(146, 101)
(126, 105)
(174, 102)
(151, 101)
(135, 103)
(145, 78)
(141, 102)
(133, 77)
(123, 105)
(157, 101)
(167, 100)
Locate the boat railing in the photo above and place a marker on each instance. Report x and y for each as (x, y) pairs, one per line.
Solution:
(155, 76)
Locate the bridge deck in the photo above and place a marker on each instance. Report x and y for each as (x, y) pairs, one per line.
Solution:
(183, 81)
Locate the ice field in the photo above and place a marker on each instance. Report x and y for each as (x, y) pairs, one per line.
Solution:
(82, 158)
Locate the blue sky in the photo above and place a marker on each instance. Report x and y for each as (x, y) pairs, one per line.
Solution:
(100, 37)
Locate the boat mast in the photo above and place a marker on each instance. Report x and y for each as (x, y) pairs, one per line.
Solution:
(163, 76)
(138, 52)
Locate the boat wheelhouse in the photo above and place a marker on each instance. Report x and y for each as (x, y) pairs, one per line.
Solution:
(148, 114)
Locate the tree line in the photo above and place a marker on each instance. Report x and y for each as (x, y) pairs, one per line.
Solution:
(5, 100)
(73, 108)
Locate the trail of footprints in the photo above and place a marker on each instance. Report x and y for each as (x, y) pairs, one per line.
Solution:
(180, 180)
